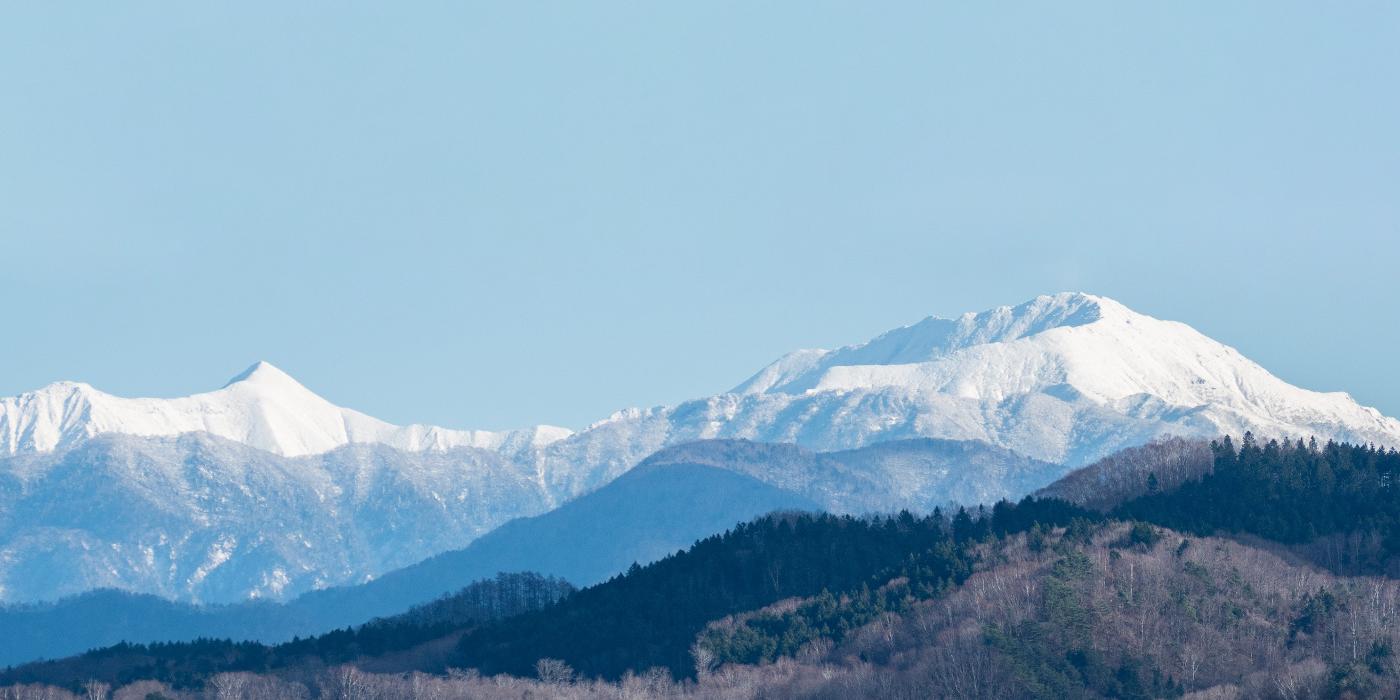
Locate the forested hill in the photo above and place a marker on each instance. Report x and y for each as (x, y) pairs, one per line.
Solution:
(650, 616)
(647, 617)
(505, 595)
(1339, 503)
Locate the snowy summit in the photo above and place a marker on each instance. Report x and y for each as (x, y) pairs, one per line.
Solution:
(1066, 378)
(262, 407)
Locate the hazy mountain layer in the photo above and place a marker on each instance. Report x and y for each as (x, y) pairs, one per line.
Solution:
(201, 518)
(643, 516)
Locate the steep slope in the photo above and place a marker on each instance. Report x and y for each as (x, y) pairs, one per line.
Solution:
(262, 407)
(200, 518)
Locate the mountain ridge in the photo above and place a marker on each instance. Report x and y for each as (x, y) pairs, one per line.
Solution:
(262, 407)
(1049, 385)
(1068, 379)
(1093, 374)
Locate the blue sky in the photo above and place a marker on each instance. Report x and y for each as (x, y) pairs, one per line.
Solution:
(491, 215)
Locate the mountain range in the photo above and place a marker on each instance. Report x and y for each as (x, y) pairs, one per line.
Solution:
(263, 489)
(262, 407)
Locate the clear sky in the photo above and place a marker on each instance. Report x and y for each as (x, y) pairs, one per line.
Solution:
(490, 215)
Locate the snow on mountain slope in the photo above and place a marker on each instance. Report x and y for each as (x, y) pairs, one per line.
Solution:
(263, 488)
(1075, 342)
(650, 513)
(201, 518)
(262, 407)
(915, 475)
(1067, 379)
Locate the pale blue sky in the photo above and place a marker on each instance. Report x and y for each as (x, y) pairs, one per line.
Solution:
(492, 215)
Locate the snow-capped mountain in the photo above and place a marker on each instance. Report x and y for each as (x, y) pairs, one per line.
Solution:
(1066, 379)
(262, 407)
(262, 488)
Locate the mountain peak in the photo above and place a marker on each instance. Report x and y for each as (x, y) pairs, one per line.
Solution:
(63, 387)
(1044, 363)
(936, 337)
(262, 407)
(1072, 298)
(262, 372)
(1105, 306)
(1045, 312)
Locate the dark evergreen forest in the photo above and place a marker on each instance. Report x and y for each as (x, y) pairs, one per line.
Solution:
(1336, 497)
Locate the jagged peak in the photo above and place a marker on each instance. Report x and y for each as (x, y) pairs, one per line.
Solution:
(1045, 312)
(1002, 323)
(262, 372)
(64, 387)
(262, 406)
(935, 336)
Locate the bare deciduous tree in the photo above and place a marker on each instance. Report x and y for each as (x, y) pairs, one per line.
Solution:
(554, 672)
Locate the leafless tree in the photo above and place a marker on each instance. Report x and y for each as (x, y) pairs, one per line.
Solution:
(347, 683)
(554, 672)
(704, 659)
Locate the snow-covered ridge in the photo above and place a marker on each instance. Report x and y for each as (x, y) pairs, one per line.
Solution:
(934, 338)
(1051, 360)
(262, 407)
(263, 488)
(1066, 378)
(1093, 346)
